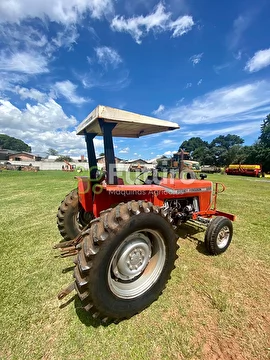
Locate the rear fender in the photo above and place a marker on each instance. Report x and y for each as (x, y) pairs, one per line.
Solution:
(85, 192)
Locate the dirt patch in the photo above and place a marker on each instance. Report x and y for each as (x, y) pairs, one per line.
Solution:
(224, 349)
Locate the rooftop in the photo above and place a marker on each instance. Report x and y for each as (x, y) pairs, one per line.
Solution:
(129, 124)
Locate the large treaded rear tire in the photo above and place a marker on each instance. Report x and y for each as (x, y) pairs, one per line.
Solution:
(71, 217)
(134, 233)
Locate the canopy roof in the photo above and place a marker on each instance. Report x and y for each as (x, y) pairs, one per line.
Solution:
(128, 124)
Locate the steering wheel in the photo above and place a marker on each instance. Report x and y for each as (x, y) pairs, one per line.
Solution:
(139, 177)
(100, 176)
(151, 179)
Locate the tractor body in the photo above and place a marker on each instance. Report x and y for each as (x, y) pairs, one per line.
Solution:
(123, 235)
(184, 199)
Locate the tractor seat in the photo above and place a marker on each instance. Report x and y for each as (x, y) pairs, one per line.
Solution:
(152, 180)
(103, 177)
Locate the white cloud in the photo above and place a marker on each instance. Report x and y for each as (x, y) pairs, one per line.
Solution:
(25, 38)
(121, 105)
(124, 151)
(44, 126)
(111, 81)
(61, 11)
(219, 68)
(195, 59)
(8, 81)
(28, 50)
(180, 101)
(43, 117)
(28, 63)
(228, 104)
(68, 90)
(159, 110)
(108, 56)
(168, 142)
(240, 25)
(21, 35)
(189, 85)
(33, 94)
(242, 129)
(199, 82)
(169, 153)
(158, 21)
(260, 60)
(181, 26)
(66, 37)
(238, 55)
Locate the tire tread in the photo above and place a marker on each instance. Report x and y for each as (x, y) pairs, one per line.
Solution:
(108, 224)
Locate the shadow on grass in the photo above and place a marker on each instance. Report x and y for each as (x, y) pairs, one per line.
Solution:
(68, 269)
(86, 317)
(190, 232)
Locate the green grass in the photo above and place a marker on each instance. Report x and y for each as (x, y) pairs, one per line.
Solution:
(212, 308)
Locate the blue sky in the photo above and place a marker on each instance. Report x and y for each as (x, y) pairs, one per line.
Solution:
(203, 64)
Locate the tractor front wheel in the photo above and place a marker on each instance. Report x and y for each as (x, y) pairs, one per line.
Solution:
(71, 216)
(218, 235)
(125, 261)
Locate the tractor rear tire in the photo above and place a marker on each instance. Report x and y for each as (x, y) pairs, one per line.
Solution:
(125, 261)
(71, 216)
(218, 235)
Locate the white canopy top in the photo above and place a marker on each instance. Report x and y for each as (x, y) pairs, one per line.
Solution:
(128, 124)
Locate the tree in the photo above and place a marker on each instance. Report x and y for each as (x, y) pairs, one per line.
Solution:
(193, 144)
(102, 154)
(226, 141)
(264, 138)
(263, 158)
(262, 147)
(226, 149)
(220, 155)
(11, 143)
(235, 155)
(64, 158)
(52, 152)
(204, 155)
(229, 149)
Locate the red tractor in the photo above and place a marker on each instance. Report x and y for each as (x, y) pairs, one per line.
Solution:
(124, 236)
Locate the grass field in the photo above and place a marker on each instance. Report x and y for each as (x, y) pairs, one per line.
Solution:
(212, 308)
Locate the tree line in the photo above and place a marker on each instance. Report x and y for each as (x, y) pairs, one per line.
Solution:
(229, 149)
(60, 157)
(11, 143)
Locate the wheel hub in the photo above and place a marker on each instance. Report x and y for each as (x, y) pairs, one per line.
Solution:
(133, 257)
(223, 237)
(136, 264)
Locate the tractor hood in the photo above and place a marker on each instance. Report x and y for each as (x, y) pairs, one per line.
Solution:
(183, 186)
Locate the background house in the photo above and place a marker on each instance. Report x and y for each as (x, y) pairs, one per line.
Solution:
(101, 161)
(137, 162)
(5, 153)
(24, 156)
